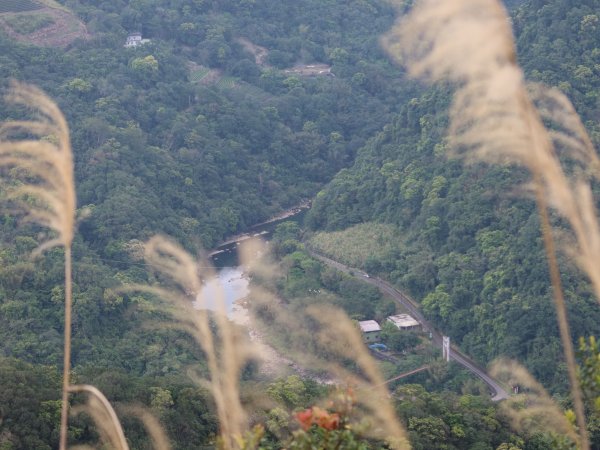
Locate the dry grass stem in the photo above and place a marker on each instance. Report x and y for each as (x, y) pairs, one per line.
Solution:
(36, 154)
(226, 353)
(40, 151)
(340, 335)
(320, 336)
(493, 115)
(104, 416)
(532, 410)
(567, 131)
(151, 424)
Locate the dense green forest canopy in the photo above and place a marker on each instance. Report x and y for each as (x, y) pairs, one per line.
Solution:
(191, 135)
(205, 160)
(471, 248)
(213, 126)
(158, 150)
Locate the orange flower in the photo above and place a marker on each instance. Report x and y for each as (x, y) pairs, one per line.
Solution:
(305, 418)
(318, 416)
(328, 421)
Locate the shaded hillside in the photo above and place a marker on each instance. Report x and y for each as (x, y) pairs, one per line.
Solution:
(156, 152)
(471, 248)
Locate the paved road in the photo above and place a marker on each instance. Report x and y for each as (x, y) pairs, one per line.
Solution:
(498, 392)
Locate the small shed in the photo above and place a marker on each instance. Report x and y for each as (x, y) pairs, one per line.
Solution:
(370, 330)
(404, 322)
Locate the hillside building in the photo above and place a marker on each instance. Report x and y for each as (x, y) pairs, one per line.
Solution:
(135, 39)
(404, 322)
(370, 329)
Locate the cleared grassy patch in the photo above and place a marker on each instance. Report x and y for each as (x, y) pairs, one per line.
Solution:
(355, 245)
(47, 26)
(226, 82)
(198, 75)
(28, 23)
(53, 4)
(253, 91)
(15, 6)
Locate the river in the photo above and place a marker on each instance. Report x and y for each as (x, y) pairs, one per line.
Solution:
(230, 280)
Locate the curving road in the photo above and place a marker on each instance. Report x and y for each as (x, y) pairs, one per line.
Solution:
(498, 392)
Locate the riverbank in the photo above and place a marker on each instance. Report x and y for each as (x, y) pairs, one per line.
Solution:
(272, 363)
(286, 214)
(238, 238)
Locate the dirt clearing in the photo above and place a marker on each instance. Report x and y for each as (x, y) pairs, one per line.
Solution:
(44, 26)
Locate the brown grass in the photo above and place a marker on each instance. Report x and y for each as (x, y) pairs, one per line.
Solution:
(340, 335)
(44, 183)
(104, 416)
(532, 410)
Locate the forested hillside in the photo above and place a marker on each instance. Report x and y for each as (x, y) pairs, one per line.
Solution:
(470, 247)
(192, 134)
(213, 125)
(205, 158)
(230, 112)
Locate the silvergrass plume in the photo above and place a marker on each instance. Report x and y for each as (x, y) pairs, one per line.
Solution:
(337, 335)
(104, 416)
(44, 157)
(340, 335)
(318, 329)
(494, 118)
(533, 410)
(151, 424)
(493, 115)
(37, 154)
(186, 303)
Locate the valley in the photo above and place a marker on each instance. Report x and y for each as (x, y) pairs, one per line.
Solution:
(309, 122)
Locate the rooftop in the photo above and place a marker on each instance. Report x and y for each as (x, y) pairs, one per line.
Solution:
(368, 326)
(403, 321)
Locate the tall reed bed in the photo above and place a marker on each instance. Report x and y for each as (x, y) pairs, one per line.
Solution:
(497, 117)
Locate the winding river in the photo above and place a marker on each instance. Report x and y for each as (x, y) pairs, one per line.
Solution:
(229, 279)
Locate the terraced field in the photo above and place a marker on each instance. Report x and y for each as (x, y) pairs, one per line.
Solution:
(226, 82)
(28, 23)
(44, 23)
(210, 77)
(16, 6)
(197, 76)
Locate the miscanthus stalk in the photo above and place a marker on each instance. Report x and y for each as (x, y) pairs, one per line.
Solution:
(495, 116)
(184, 301)
(107, 423)
(37, 167)
(324, 339)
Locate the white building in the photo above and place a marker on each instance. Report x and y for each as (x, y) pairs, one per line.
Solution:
(135, 39)
(370, 330)
(404, 322)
